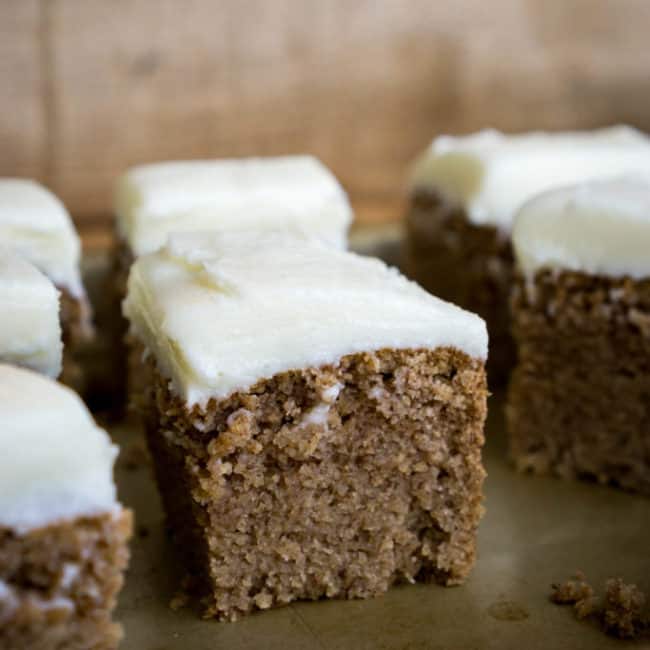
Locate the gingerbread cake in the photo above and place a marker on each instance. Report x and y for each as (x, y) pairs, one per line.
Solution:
(151, 201)
(63, 534)
(464, 193)
(578, 401)
(30, 329)
(315, 419)
(35, 224)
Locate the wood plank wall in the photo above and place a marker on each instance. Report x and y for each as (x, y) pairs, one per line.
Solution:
(89, 87)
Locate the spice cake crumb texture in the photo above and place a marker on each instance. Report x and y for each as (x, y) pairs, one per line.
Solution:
(315, 420)
(466, 264)
(465, 192)
(577, 403)
(63, 534)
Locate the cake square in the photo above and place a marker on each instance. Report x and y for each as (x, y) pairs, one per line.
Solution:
(295, 193)
(578, 400)
(465, 192)
(35, 225)
(315, 419)
(30, 330)
(63, 534)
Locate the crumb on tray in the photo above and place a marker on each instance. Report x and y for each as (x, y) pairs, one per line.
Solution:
(620, 613)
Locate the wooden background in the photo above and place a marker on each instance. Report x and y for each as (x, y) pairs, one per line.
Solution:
(89, 87)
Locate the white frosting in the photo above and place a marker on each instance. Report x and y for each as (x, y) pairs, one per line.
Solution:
(36, 224)
(220, 311)
(319, 414)
(601, 228)
(11, 598)
(70, 573)
(491, 174)
(56, 464)
(30, 329)
(292, 192)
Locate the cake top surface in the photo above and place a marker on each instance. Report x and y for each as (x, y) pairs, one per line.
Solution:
(56, 464)
(30, 328)
(492, 174)
(35, 223)
(293, 192)
(601, 228)
(220, 311)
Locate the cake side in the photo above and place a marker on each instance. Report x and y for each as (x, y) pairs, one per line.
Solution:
(470, 265)
(63, 533)
(59, 584)
(115, 327)
(78, 332)
(577, 404)
(335, 481)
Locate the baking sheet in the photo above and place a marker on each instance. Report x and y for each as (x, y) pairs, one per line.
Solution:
(536, 531)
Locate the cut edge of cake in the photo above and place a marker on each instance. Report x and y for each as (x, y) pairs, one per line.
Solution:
(63, 533)
(261, 456)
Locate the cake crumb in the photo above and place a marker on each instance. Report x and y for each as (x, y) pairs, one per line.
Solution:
(620, 613)
(263, 600)
(572, 591)
(623, 614)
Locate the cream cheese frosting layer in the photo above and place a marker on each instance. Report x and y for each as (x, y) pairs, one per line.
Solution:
(56, 464)
(601, 228)
(30, 329)
(220, 311)
(35, 223)
(492, 174)
(292, 192)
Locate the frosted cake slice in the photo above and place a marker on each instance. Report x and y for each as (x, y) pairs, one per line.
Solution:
(63, 534)
(315, 419)
(578, 401)
(465, 192)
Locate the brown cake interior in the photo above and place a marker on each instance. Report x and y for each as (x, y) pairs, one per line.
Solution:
(579, 401)
(289, 491)
(466, 264)
(77, 333)
(114, 381)
(59, 584)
